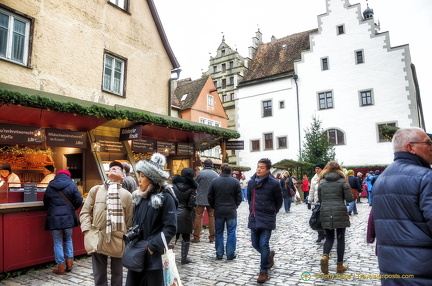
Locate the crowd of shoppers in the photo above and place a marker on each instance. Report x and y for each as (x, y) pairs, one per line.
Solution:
(157, 208)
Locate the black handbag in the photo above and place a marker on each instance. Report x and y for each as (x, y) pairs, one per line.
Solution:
(134, 255)
(315, 219)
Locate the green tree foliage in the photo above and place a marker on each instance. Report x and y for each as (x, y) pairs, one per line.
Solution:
(316, 146)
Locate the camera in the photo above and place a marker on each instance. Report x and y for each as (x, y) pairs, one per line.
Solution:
(131, 234)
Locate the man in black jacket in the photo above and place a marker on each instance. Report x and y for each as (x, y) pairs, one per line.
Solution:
(265, 200)
(224, 197)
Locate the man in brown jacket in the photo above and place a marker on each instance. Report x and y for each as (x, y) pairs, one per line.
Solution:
(105, 217)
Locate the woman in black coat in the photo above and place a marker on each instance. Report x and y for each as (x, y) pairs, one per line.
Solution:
(185, 190)
(333, 191)
(61, 199)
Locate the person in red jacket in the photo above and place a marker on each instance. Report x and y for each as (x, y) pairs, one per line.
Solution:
(305, 188)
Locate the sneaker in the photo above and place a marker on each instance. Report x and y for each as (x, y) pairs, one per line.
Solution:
(232, 258)
(219, 257)
(263, 277)
(272, 254)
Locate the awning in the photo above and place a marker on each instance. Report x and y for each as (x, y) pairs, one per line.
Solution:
(47, 110)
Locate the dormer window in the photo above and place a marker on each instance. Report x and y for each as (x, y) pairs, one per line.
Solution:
(184, 97)
(340, 29)
(222, 53)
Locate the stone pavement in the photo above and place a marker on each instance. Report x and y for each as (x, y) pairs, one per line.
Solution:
(296, 253)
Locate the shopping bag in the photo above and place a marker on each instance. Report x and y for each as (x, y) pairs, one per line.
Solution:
(170, 272)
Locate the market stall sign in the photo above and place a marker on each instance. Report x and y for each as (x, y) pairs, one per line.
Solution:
(184, 149)
(143, 145)
(162, 145)
(235, 145)
(110, 144)
(130, 133)
(65, 138)
(18, 134)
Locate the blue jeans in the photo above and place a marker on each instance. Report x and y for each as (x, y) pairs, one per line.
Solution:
(231, 242)
(287, 203)
(260, 241)
(353, 206)
(58, 236)
(370, 197)
(244, 193)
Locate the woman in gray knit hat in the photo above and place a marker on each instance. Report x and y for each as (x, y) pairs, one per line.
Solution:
(155, 212)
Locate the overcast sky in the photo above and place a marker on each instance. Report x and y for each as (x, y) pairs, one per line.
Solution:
(195, 27)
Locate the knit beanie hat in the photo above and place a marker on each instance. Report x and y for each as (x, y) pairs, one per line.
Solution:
(319, 165)
(153, 169)
(66, 172)
(350, 172)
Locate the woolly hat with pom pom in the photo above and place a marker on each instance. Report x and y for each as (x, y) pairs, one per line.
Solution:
(153, 169)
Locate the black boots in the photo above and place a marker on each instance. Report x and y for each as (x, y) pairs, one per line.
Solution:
(184, 252)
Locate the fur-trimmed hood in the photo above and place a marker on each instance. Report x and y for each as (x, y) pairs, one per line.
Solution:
(156, 196)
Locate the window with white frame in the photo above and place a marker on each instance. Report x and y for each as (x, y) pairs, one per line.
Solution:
(282, 104)
(217, 124)
(114, 73)
(120, 3)
(340, 29)
(324, 64)
(231, 80)
(224, 98)
(366, 97)
(282, 142)
(14, 37)
(232, 96)
(255, 145)
(325, 100)
(267, 108)
(203, 120)
(381, 137)
(336, 137)
(359, 57)
(268, 141)
(210, 122)
(210, 100)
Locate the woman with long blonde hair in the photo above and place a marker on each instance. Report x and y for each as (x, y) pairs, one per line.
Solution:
(333, 191)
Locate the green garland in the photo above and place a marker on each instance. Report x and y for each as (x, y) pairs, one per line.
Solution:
(36, 101)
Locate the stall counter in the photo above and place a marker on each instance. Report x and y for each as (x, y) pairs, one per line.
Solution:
(24, 241)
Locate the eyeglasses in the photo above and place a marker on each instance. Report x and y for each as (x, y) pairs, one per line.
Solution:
(427, 143)
(115, 168)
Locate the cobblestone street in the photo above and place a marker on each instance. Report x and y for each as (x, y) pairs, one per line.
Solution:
(296, 253)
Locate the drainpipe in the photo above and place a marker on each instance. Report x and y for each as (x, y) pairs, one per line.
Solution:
(177, 72)
(295, 77)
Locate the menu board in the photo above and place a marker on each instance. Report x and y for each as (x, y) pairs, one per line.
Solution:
(65, 138)
(143, 145)
(30, 192)
(18, 134)
(161, 145)
(184, 148)
(110, 144)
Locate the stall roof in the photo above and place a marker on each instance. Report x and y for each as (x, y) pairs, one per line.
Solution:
(291, 164)
(36, 108)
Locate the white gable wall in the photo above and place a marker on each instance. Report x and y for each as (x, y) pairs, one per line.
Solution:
(385, 71)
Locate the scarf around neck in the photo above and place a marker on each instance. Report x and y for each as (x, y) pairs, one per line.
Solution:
(115, 218)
